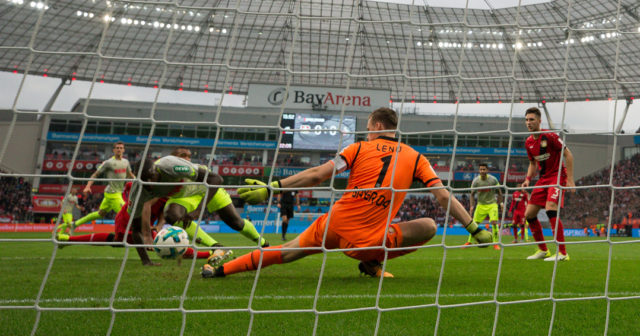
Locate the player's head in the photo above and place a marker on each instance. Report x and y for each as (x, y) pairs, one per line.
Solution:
(381, 119)
(182, 152)
(118, 148)
(148, 174)
(532, 118)
(74, 191)
(483, 169)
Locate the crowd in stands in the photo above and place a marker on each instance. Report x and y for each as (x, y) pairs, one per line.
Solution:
(15, 199)
(424, 206)
(595, 202)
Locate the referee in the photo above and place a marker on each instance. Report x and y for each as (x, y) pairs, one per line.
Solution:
(286, 201)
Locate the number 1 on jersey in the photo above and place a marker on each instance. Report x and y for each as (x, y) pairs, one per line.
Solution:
(386, 160)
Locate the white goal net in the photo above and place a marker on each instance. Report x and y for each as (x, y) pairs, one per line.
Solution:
(223, 78)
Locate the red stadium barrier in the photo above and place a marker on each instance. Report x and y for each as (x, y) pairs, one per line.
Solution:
(30, 227)
(62, 188)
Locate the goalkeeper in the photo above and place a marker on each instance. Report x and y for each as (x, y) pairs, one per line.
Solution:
(361, 217)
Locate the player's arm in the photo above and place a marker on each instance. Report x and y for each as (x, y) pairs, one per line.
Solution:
(309, 177)
(531, 172)
(279, 199)
(306, 178)
(145, 226)
(298, 201)
(460, 213)
(87, 189)
(513, 203)
(472, 200)
(500, 198)
(568, 157)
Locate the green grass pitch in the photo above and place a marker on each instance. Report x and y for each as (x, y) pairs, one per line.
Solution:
(84, 277)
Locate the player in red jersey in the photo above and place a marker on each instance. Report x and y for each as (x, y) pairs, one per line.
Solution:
(360, 219)
(519, 201)
(545, 151)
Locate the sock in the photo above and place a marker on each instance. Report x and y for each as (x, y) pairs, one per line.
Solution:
(249, 261)
(536, 230)
(94, 237)
(201, 254)
(88, 218)
(202, 237)
(470, 239)
(284, 229)
(250, 232)
(495, 232)
(560, 235)
(515, 231)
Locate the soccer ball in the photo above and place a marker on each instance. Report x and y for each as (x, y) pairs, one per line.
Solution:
(171, 242)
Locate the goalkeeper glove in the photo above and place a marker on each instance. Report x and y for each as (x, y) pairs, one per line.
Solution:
(253, 195)
(480, 235)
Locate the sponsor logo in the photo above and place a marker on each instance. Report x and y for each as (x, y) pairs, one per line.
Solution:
(543, 143)
(277, 96)
(181, 169)
(47, 202)
(372, 197)
(542, 157)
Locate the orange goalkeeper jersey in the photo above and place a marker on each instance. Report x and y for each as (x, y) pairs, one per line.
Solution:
(359, 216)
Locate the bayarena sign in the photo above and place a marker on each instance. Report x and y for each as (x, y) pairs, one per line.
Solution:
(311, 97)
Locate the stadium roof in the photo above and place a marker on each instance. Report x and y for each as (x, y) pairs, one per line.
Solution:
(553, 51)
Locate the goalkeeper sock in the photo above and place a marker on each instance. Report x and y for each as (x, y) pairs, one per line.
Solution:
(202, 237)
(560, 231)
(494, 231)
(250, 232)
(201, 254)
(536, 229)
(470, 239)
(250, 261)
(94, 237)
(526, 232)
(88, 218)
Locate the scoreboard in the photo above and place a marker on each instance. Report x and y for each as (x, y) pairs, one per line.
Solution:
(317, 131)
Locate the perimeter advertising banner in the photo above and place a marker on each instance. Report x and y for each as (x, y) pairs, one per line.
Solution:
(47, 203)
(63, 165)
(316, 97)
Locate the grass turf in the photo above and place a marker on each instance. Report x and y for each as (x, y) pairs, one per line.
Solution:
(284, 300)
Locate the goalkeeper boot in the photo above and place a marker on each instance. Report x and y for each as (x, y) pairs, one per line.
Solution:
(373, 268)
(219, 257)
(209, 271)
(559, 256)
(540, 254)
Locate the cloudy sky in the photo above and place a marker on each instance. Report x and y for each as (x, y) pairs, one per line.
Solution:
(579, 117)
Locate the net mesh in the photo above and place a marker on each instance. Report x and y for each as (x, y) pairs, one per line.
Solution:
(422, 53)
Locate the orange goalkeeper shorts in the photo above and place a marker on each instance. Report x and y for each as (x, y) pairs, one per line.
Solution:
(312, 237)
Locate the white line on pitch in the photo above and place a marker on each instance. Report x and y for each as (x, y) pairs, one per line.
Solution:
(310, 297)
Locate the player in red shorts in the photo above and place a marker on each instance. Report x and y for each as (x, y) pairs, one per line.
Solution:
(519, 201)
(545, 151)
